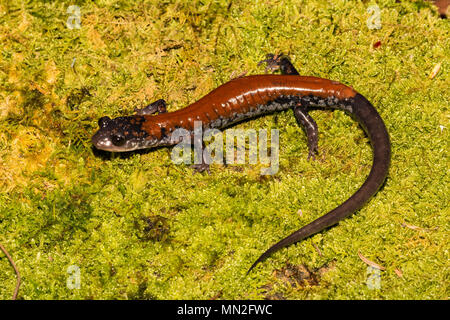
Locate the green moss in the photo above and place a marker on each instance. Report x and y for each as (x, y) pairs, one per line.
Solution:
(140, 227)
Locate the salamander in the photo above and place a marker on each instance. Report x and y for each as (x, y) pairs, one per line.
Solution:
(246, 98)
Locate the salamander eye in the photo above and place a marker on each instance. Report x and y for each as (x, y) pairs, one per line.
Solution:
(103, 122)
(118, 139)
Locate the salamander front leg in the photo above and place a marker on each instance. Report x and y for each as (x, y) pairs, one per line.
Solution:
(305, 121)
(203, 165)
(159, 106)
(279, 61)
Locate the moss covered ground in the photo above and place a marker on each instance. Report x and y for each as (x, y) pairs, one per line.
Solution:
(138, 226)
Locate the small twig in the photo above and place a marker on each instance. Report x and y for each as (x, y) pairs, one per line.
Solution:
(234, 76)
(317, 248)
(16, 290)
(369, 262)
(217, 296)
(398, 272)
(410, 226)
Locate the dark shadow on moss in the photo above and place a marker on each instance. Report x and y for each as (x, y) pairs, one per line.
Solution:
(77, 96)
(141, 292)
(296, 276)
(152, 228)
(33, 100)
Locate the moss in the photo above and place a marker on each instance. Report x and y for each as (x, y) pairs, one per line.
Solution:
(153, 228)
(140, 227)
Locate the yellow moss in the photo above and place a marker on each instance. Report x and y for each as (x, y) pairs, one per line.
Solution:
(51, 72)
(62, 172)
(13, 75)
(17, 57)
(24, 24)
(95, 38)
(147, 91)
(9, 103)
(28, 151)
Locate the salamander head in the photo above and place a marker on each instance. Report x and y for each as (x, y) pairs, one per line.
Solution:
(122, 134)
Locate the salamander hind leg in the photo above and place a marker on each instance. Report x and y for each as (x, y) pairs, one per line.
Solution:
(159, 106)
(305, 121)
